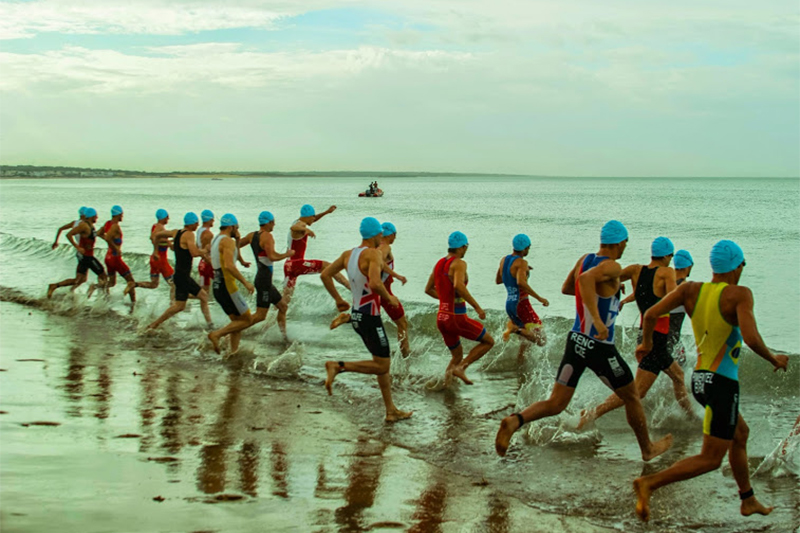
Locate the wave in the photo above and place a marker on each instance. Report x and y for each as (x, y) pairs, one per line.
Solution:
(312, 309)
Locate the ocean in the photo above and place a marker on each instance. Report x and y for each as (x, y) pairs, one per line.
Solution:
(550, 467)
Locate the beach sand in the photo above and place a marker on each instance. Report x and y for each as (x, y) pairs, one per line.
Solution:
(143, 443)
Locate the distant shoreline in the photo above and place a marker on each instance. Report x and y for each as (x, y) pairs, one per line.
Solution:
(364, 175)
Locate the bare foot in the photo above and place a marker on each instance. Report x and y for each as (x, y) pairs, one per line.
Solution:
(657, 448)
(511, 328)
(642, 499)
(50, 289)
(332, 369)
(231, 354)
(397, 414)
(214, 341)
(92, 287)
(508, 426)
(343, 318)
(459, 373)
(752, 506)
(587, 415)
(129, 287)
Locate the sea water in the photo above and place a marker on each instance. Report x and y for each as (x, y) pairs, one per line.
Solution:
(549, 465)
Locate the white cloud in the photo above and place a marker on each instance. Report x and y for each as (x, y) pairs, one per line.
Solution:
(191, 67)
(26, 19)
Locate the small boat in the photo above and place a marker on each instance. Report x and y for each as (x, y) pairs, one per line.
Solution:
(367, 194)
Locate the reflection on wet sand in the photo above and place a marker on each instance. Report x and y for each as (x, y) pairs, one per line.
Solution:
(170, 422)
(430, 508)
(103, 397)
(280, 470)
(248, 467)
(147, 404)
(363, 479)
(498, 521)
(73, 381)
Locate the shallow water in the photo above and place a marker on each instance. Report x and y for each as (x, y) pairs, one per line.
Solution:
(550, 467)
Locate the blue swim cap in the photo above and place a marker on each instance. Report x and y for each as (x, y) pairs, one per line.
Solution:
(190, 218)
(613, 232)
(307, 211)
(265, 218)
(726, 256)
(228, 220)
(89, 212)
(388, 229)
(116, 210)
(370, 227)
(82, 210)
(661, 247)
(682, 259)
(457, 240)
(207, 215)
(520, 242)
(161, 214)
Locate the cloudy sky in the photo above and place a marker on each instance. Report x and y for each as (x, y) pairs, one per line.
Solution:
(572, 88)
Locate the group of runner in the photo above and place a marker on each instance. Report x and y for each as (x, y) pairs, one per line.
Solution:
(721, 313)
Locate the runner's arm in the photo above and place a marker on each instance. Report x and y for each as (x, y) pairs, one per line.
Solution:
(65, 227)
(268, 245)
(522, 281)
(227, 248)
(498, 279)
(244, 241)
(109, 237)
(192, 247)
(374, 270)
(605, 271)
(665, 305)
(568, 287)
(669, 280)
(459, 275)
(239, 251)
(74, 231)
(327, 280)
(328, 211)
(430, 287)
(392, 273)
(165, 234)
(750, 334)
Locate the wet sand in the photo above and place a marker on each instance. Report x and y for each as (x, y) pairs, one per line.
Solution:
(146, 444)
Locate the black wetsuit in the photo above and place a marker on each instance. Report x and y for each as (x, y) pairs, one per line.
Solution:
(659, 358)
(266, 293)
(184, 283)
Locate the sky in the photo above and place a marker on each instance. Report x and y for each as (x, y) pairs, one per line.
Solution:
(556, 88)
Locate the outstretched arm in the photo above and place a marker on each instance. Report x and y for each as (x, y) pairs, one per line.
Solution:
(328, 211)
(244, 241)
(65, 227)
(750, 334)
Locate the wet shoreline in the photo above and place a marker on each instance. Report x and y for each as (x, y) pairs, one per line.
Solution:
(144, 444)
